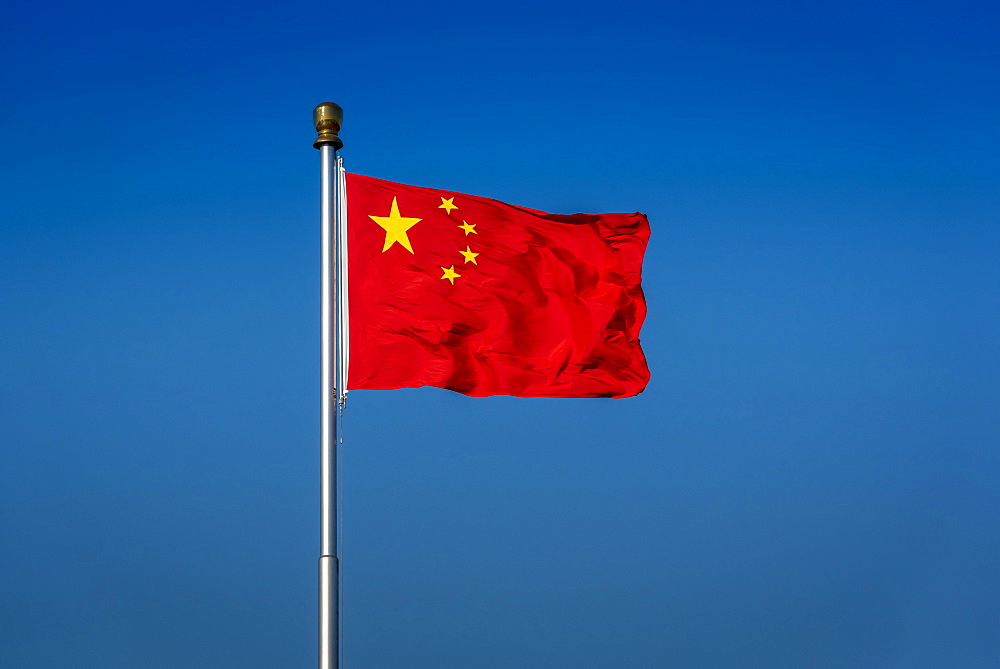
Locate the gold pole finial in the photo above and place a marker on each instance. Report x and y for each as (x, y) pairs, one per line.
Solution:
(328, 117)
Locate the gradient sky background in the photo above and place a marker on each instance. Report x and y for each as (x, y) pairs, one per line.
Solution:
(811, 479)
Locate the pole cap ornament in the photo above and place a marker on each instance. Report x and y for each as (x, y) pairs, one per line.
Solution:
(328, 117)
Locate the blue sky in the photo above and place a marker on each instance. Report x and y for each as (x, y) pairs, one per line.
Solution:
(809, 481)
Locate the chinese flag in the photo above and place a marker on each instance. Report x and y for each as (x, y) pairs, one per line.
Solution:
(486, 298)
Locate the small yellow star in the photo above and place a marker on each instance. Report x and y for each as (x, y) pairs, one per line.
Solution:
(448, 204)
(450, 274)
(395, 227)
(469, 227)
(469, 255)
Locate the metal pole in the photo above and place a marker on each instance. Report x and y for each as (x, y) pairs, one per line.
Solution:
(328, 118)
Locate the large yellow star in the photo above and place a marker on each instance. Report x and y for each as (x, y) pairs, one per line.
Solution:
(395, 227)
(469, 255)
(450, 274)
(469, 227)
(448, 204)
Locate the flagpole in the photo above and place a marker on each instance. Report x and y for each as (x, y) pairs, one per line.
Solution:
(328, 118)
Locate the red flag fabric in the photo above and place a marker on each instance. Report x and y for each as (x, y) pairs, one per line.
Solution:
(486, 298)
